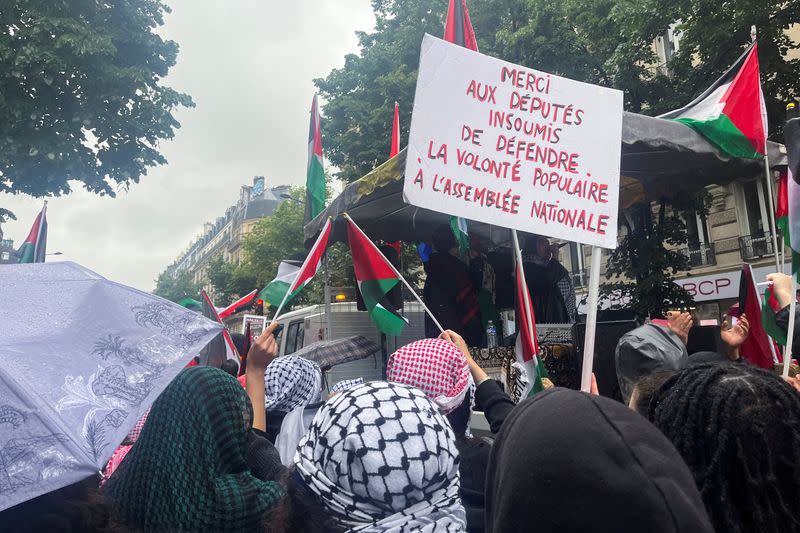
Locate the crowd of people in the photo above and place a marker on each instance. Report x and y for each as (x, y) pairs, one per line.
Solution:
(711, 444)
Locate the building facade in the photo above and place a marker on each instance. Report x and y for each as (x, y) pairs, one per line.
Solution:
(735, 231)
(225, 236)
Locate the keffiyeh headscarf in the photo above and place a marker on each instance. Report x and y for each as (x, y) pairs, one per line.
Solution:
(346, 384)
(292, 381)
(382, 457)
(188, 469)
(123, 449)
(437, 368)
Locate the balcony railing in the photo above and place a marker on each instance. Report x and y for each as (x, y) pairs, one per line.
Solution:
(755, 246)
(701, 254)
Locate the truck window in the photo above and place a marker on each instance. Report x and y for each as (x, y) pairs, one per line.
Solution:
(294, 337)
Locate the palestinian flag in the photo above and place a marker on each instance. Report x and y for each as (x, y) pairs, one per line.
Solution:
(277, 289)
(458, 28)
(235, 306)
(34, 248)
(769, 310)
(791, 136)
(375, 277)
(395, 148)
(460, 228)
(758, 349)
(290, 279)
(527, 346)
(731, 113)
(315, 173)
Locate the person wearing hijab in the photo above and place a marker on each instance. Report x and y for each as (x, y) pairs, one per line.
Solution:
(123, 449)
(188, 470)
(440, 370)
(569, 461)
(344, 385)
(293, 387)
(382, 457)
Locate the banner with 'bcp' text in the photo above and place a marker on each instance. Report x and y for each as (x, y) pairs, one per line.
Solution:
(514, 147)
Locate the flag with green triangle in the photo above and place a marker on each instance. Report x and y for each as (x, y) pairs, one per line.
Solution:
(34, 249)
(731, 113)
(375, 277)
(290, 279)
(315, 172)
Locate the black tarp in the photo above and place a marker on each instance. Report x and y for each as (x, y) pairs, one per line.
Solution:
(659, 158)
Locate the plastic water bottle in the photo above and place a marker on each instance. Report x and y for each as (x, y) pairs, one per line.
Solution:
(491, 335)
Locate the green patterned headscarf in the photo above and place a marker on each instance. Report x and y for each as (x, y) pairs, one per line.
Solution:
(188, 469)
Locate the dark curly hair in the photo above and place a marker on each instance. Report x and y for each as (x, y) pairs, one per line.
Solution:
(738, 429)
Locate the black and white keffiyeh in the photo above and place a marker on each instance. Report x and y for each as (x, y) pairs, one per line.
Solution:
(292, 382)
(381, 457)
(346, 384)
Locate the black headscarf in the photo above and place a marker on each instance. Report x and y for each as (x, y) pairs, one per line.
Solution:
(568, 461)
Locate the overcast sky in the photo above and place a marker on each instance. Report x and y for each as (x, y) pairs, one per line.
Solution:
(248, 65)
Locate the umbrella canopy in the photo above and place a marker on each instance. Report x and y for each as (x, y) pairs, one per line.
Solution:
(81, 359)
(660, 158)
(328, 354)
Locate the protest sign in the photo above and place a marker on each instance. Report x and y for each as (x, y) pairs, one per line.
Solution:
(257, 325)
(514, 147)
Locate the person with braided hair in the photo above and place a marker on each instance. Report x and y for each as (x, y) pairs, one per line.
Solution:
(738, 429)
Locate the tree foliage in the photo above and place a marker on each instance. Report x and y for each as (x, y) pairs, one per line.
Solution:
(652, 251)
(81, 94)
(608, 42)
(176, 287)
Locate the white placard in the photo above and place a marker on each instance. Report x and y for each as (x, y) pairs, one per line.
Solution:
(514, 147)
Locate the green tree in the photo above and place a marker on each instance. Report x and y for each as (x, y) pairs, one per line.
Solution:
(642, 269)
(81, 94)
(229, 281)
(177, 287)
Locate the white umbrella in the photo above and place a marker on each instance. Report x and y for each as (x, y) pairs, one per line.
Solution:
(81, 359)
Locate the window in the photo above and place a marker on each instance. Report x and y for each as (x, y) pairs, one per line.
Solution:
(575, 267)
(756, 237)
(700, 248)
(294, 337)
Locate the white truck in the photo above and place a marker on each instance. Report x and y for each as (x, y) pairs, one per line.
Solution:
(306, 326)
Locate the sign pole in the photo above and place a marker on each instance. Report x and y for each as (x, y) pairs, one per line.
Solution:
(771, 217)
(591, 320)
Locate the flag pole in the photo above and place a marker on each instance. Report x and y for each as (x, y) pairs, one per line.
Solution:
(787, 352)
(525, 293)
(591, 320)
(771, 217)
(410, 288)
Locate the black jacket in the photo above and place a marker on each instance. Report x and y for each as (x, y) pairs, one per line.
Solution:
(782, 319)
(494, 402)
(474, 454)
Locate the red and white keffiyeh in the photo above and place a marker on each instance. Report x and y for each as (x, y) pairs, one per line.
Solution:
(437, 368)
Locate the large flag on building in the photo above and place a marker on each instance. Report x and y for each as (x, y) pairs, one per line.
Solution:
(731, 113)
(315, 173)
(791, 136)
(458, 28)
(527, 346)
(290, 279)
(758, 348)
(238, 304)
(34, 248)
(375, 278)
(395, 148)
